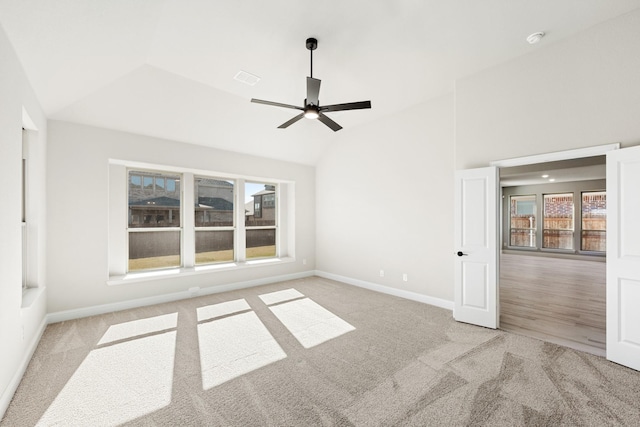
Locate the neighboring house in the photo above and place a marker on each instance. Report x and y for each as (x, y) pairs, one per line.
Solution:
(262, 210)
(154, 201)
(214, 203)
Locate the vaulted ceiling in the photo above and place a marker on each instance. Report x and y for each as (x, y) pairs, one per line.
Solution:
(166, 68)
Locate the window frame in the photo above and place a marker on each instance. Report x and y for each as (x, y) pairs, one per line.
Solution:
(261, 216)
(232, 227)
(582, 230)
(573, 220)
(577, 188)
(130, 229)
(117, 269)
(536, 220)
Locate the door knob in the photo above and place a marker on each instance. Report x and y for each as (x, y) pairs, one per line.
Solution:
(460, 253)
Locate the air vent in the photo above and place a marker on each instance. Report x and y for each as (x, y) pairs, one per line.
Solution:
(247, 78)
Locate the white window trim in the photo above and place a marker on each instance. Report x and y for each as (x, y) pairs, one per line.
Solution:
(118, 204)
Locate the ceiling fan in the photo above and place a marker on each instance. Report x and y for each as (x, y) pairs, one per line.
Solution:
(312, 108)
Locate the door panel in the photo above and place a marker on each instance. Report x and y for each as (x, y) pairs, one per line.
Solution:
(623, 257)
(476, 280)
(476, 243)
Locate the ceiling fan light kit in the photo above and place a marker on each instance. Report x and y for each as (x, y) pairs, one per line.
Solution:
(311, 108)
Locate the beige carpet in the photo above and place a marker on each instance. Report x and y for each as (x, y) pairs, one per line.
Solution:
(311, 352)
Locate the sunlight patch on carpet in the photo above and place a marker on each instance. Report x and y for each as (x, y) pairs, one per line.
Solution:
(116, 384)
(234, 346)
(222, 309)
(309, 322)
(139, 327)
(280, 296)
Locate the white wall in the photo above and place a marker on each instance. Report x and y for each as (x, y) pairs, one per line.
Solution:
(384, 198)
(20, 323)
(580, 92)
(78, 196)
(377, 185)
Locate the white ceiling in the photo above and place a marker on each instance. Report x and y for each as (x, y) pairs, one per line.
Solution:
(165, 68)
(580, 169)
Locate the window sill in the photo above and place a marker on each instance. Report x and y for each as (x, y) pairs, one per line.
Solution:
(29, 296)
(145, 276)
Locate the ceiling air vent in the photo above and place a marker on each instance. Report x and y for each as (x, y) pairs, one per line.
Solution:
(247, 78)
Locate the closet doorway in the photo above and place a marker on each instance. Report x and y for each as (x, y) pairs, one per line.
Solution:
(553, 263)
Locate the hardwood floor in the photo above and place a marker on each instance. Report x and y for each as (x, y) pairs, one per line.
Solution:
(557, 300)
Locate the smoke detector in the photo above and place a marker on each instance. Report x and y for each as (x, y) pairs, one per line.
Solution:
(535, 37)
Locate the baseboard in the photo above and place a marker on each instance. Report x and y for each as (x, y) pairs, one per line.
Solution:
(78, 313)
(6, 397)
(438, 302)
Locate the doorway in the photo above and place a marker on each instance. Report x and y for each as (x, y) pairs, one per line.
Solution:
(476, 236)
(552, 265)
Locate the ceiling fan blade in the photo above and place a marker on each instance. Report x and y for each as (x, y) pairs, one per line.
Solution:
(290, 122)
(327, 121)
(276, 104)
(348, 106)
(313, 90)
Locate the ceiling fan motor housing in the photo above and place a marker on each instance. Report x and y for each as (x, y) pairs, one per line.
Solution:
(312, 43)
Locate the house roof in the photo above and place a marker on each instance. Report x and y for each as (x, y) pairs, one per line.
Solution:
(216, 182)
(260, 193)
(215, 203)
(166, 68)
(162, 201)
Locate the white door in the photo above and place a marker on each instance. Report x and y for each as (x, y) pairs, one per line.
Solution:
(476, 247)
(623, 257)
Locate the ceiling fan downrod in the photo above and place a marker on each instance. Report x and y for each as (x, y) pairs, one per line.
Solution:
(312, 45)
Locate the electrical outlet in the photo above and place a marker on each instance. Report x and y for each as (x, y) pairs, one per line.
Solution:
(304, 261)
(381, 273)
(405, 278)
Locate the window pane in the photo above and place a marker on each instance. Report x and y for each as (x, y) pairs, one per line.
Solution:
(594, 221)
(214, 202)
(260, 204)
(214, 246)
(523, 221)
(135, 181)
(558, 221)
(153, 206)
(154, 249)
(148, 182)
(261, 243)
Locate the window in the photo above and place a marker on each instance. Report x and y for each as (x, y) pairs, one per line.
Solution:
(154, 225)
(594, 221)
(535, 217)
(25, 252)
(148, 182)
(260, 221)
(557, 232)
(188, 222)
(214, 224)
(135, 181)
(523, 221)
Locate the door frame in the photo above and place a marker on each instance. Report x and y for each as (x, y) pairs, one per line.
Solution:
(598, 150)
(579, 153)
